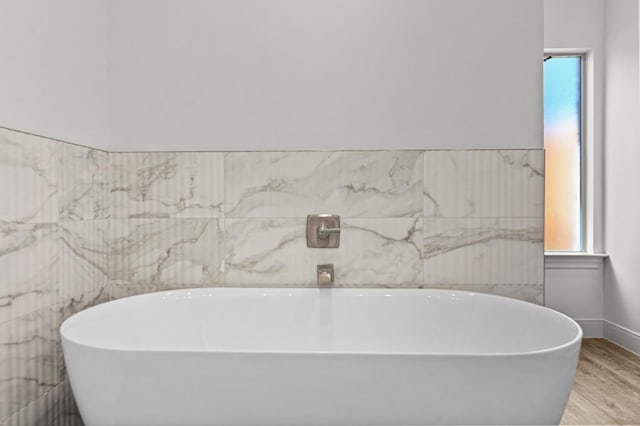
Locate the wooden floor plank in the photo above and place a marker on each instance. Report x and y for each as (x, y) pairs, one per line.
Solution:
(576, 409)
(611, 374)
(616, 354)
(606, 388)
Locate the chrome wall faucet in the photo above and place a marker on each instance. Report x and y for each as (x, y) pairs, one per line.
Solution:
(325, 275)
(323, 231)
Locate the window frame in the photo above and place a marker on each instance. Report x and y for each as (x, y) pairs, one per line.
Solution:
(590, 150)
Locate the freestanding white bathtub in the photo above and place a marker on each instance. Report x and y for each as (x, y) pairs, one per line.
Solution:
(320, 357)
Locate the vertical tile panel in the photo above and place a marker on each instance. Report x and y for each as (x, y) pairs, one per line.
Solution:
(27, 176)
(166, 185)
(175, 252)
(29, 268)
(294, 184)
(491, 183)
(267, 252)
(373, 252)
(380, 252)
(483, 251)
(83, 262)
(484, 221)
(54, 408)
(29, 358)
(82, 183)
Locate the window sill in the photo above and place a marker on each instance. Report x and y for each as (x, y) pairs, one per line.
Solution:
(572, 260)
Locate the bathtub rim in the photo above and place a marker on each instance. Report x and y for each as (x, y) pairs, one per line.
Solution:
(558, 348)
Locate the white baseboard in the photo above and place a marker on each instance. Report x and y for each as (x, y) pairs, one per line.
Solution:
(591, 327)
(622, 336)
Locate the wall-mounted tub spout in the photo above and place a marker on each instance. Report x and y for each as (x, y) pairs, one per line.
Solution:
(325, 275)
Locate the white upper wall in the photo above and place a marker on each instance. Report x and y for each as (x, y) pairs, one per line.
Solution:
(276, 74)
(622, 134)
(574, 23)
(53, 71)
(325, 74)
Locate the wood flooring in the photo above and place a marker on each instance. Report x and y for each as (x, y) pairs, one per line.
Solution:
(607, 386)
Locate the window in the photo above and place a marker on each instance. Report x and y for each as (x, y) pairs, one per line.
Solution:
(564, 148)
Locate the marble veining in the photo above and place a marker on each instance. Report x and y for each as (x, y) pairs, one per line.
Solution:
(273, 251)
(85, 300)
(167, 251)
(55, 408)
(27, 172)
(483, 251)
(374, 250)
(166, 185)
(28, 357)
(83, 183)
(266, 251)
(492, 183)
(83, 248)
(352, 184)
(29, 266)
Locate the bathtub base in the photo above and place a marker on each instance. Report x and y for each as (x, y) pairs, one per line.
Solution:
(317, 389)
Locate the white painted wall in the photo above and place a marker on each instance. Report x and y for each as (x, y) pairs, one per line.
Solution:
(622, 144)
(325, 74)
(574, 285)
(574, 23)
(53, 68)
(282, 74)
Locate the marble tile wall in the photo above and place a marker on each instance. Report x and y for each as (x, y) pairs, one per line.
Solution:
(80, 226)
(167, 222)
(378, 195)
(467, 220)
(83, 280)
(483, 222)
(53, 264)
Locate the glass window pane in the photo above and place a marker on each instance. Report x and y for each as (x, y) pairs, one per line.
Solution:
(562, 134)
